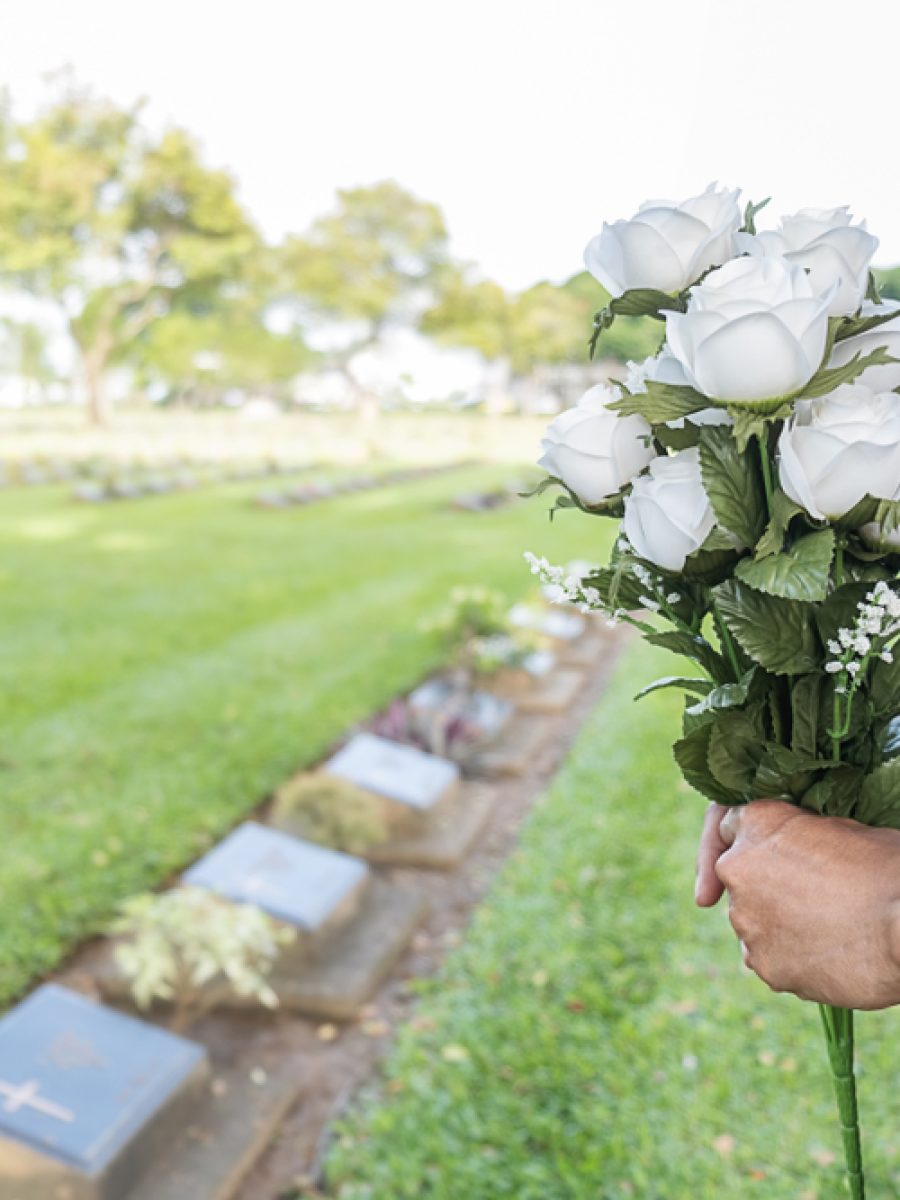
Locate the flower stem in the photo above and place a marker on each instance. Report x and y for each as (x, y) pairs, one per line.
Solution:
(766, 473)
(838, 1026)
(726, 641)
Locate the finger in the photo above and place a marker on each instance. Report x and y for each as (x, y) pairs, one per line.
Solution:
(730, 826)
(708, 888)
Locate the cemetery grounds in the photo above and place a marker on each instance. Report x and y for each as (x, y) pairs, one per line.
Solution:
(171, 660)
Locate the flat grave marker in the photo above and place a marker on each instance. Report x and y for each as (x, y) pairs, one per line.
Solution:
(484, 713)
(88, 1097)
(411, 782)
(558, 624)
(309, 886)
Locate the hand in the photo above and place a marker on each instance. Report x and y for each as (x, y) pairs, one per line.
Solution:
(815, 900)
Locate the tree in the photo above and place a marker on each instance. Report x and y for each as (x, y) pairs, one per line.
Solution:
(26, 356)
(197, 357)
(115, 225)
(372, 263)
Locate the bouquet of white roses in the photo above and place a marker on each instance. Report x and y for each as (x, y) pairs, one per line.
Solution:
(754, 465)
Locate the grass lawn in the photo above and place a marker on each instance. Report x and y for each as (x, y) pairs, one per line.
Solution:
(166, 662)
(595, 1038)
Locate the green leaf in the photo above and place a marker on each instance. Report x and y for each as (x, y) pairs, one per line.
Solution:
(801, 572)
(805, 701)
(839, 611)
(750, 214)
(645, 302)
(826, 379)
(732, 482)
(735, 748)
(853, 326)
(836, 793)
(684, 438)
(884, 689)
(637, 302)
(726, 695)
(889, 739)
(778, 634)
(691, 754)
(879, 800)
(661, 402)
(694, 647)
(783, 512)
(784, 775)
(753, 420)
(700, 686)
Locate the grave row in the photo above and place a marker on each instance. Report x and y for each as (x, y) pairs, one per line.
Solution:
(314, 491)
(123, 472)
(93, 1100)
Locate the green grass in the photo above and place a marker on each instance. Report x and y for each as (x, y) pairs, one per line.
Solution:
(167, 662)
(595, 1038)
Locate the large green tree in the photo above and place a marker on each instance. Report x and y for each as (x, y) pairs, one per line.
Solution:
(117, 225)
(545, 324)
(373, 263)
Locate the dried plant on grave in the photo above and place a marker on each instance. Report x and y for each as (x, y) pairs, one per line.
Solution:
(330, 811)
(191, 949)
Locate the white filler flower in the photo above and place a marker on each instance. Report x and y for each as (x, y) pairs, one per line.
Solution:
(593, 450)
(879, 379)
(825, 243)
(836, 450)
(754, 330)
(668, 515)
(666, 245)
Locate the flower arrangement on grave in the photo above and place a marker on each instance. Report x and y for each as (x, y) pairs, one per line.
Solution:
(190, 948)
(475, 630)
(753, 466)
(330, 811)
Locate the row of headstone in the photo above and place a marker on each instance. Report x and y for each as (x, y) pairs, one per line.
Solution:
(91, 1098)
(124, 472)
(314, 491)
(100, 486)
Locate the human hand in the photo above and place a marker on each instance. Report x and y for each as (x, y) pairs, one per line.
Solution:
(815, 900)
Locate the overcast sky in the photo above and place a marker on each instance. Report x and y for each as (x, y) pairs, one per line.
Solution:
(528, 121)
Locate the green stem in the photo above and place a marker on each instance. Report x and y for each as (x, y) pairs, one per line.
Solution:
(838, 1026)
(766, 473)
(726, 641)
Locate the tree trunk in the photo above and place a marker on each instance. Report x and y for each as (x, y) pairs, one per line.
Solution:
(96, 360)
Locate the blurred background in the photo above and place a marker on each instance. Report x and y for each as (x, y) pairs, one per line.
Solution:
(288, 294)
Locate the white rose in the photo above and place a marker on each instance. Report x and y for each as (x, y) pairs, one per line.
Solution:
(825, 243)
(668, 515)
(836, 450)
(666, 245)
(879, 379)
(593, 450)
(665, 368)
(754, 330)
(873, 533)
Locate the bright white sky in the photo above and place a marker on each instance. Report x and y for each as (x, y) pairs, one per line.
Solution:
(528, 121)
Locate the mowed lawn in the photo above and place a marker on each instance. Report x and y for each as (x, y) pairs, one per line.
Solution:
(595, 1037)
(167, 662)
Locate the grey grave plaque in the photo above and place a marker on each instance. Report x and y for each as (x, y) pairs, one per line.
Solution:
(404, 776)
(309, 886)
(485, 713)
(558, 624)
(87, 1096)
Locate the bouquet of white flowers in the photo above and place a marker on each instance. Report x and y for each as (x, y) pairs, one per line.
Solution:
(754, 465)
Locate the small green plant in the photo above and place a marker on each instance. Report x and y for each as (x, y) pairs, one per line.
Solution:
(503, 651)
(330, 811)
(473, 612)
(191, 948)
